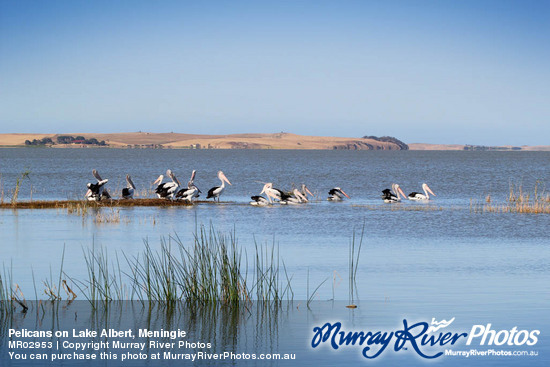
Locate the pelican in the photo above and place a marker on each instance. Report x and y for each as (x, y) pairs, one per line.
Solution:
(419, 196)
(296, 197)
(259, 201)
(191, 192)
(305, 191)
(96, 191)
(216, 191)
(273, 193)
(168, 189)
(128, 191)
(336, 194)
(393, 197)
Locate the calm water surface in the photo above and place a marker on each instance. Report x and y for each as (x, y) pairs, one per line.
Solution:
(440, 260)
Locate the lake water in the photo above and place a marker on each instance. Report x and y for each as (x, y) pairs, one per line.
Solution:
(419, 260)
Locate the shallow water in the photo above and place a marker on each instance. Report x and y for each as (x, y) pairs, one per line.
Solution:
(439, 260)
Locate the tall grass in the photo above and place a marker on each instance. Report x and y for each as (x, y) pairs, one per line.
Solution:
(210, 270)
(353, 264)
(19, 180)
(104, 283)
(6, 305)
(517, 201)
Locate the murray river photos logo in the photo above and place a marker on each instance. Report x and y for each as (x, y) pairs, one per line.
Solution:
(426, 339)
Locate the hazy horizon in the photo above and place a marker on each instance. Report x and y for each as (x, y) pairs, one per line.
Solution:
(423, 72)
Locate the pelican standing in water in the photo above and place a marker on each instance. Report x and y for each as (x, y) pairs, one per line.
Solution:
(128, 191)
(96, 191)
(419, 196)
(271, 194)
(191, 192)
(216, 191)
(296, 197)
(167, 190)
(393, 195)
(336, 194)
(305, 191)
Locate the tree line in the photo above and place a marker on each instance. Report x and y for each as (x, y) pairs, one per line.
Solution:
(66, 139)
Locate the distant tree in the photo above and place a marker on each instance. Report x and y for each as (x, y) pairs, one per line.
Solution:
(65, 139)
(28, 142)
(80, 137)
(47, 141)
(102, 143)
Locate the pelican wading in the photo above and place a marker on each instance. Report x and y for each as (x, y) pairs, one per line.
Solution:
(393, 195)
(216, 191)
(418, 196)
(336, 194)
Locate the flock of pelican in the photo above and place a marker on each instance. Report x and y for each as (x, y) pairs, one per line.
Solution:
(174, 191)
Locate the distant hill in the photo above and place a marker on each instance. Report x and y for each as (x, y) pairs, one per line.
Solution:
(389, 139)
(280, 140)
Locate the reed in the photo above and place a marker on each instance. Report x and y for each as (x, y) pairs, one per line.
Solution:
(209, 270)
(18, 181)
(353, 265)
(113, 216)
(79, 208)
(313, 295)
(519, 201)
(103, 284)
(6, 306)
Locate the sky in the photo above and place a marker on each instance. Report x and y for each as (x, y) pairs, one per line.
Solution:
(450, 72)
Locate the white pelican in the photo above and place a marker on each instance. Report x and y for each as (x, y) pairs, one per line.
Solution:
(96, 191)
(215, 192)
(305, 191)
(128, 191)
(272, 193)
(168, 189)
(393, 197)
(419, 196)
(191, 192)
(336, 194)
(295, 198)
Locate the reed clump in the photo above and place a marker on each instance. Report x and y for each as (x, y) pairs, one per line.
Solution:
(79, 208)
(519, 201)
(210, 270)
(18, 182)
(113, 216)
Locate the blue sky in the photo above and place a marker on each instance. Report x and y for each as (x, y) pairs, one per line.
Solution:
(475, 72)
